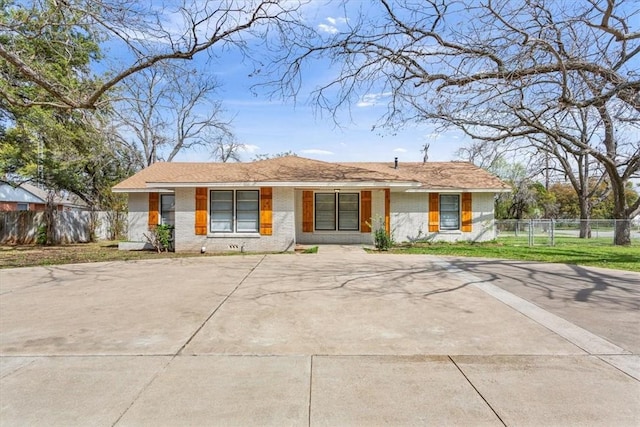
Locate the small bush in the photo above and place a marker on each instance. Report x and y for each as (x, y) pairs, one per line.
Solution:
(381, 239)
(160, 237)
(41, 235)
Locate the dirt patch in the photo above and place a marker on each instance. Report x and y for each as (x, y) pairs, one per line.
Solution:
(32, 255)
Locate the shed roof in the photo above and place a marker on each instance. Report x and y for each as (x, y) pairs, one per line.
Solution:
(28, 193)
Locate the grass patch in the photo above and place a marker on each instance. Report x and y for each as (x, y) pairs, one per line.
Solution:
(31, 256)
(566, 251)
(311, 250)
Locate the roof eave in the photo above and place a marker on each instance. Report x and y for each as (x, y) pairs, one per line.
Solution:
(142, 190)
(458, 190)
(297, 184)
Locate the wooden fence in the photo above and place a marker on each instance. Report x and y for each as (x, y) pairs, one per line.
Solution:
(71, 226)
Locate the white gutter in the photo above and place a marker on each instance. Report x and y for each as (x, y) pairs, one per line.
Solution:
(297, 184)
(458, 190)
(141, 190)
(155, 187)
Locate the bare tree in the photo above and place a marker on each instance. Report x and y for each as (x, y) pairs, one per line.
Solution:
(168, 110)
(425, 152)
(226, 149)
(584, 173)
(267, 156)
(151, 33)
(501, 70)
(547, 157)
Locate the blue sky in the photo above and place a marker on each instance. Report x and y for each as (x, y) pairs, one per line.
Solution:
(273, 126)
(269, 126)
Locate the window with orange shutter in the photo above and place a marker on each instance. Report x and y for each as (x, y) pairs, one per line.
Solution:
(234, 211)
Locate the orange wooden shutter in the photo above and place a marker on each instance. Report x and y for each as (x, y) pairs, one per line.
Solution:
(201, 211)
(307, 211)
(467, 214)
(365, 211)
(387, 210)
(153, 209)
(434, 212)
(266, 211)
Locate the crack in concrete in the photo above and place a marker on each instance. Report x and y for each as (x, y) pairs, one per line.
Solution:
(310, 389)
(477, 391)
(179, 352)
(220, 305)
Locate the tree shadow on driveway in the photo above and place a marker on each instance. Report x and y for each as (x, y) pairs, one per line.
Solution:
(606, 302)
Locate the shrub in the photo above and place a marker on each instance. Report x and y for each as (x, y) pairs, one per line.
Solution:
(381, 239)
(160, 237)
(41, 235)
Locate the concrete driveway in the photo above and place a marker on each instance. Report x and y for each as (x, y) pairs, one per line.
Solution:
(336, 338)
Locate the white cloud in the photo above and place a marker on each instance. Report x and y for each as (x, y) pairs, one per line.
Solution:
(399, 150)
(372, 99)
(318, 152)
(330, 29)
(250, 148)
(332, 26)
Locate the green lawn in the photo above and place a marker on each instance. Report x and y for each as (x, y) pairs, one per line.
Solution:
(595, 252)
(568, 250)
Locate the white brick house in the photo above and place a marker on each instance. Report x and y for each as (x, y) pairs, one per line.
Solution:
(272, 205)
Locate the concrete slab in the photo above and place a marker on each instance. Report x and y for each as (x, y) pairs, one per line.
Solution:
(69, 391)
(381, 332)
(371, 304)
(399, 391)
(554, 390)
(144, 307)
(226, 391)
(340, 249)
(572, 292)
(582, 338)
(629, 364)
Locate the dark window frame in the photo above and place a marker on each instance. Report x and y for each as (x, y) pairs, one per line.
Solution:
(162, 211)
(336, 211)
(458, 213)
(234, 212)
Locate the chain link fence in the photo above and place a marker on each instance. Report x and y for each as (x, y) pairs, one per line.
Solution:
(531, 232)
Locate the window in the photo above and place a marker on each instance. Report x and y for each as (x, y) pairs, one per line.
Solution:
(345, 212)
(247, 211)
(449, 212)
(167, 209)
(23, 206)
(235, 211)
(325, 211)
(348, 215)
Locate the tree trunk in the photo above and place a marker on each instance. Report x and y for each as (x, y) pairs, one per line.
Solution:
(621, 211)
(622, 232)
(585, 228)
(49, 219)
(622, 236)
(585, 217)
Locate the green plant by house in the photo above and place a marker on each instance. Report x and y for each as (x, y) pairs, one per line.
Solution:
(381, 239)
(160, 237)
